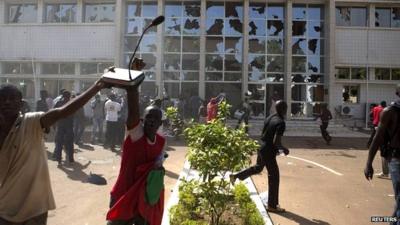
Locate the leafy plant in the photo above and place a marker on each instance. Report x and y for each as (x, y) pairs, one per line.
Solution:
(247, 209)
(176, 123)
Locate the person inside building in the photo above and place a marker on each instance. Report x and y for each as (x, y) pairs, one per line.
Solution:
(25, 188)
(387, 138)
(272, 133)
(138, 194)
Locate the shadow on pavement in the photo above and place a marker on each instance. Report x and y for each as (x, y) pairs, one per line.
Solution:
(86, 147)
(319, 143)
(75, 171)
(301, 220)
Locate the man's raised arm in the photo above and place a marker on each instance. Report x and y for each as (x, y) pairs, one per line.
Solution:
(133, 98)
(52, 116)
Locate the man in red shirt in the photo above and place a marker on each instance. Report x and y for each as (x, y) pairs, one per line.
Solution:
(376, 113)
(141, 154)
(212, 109)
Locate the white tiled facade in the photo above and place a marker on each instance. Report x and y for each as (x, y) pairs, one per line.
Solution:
(80, 44)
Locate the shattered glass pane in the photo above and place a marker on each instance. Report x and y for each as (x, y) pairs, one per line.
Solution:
(190, 61)
(315, 29)
(257, 28)
(233, 76)
(148, 44)
(130, 43)
(191, 44)
(149, 9)
(275, 27)
(343, 16)
(233, 45)
(192, 9)
(146, 23)
(133, 26)
(299, 64)
(275, 46)
(173, 26)
(315, 47)
(299, 46)
(305, 109)
(257, 10)
(172, 44)
(191, 26)
(150, 60)
(173, 9)
(233, 27)
(257, 45)
(256, 76)
(134, 9)
(382, 17)
(171, 75)
(382, 74)
(395, 74)
(234, 9)
(299, 12)
(275, 12)
(314, 78)
(315, 64)
(172, 61)
(172, 88)
(299, 28)
(233, 62)
(395, 17)
(275, 63)
(274, 77)
(308, 93)
(256, 63)
(215, 9)
(214, 76)
(257, 91)
(190, 75)
(214, 62)
(215, 26)
(215, 45)
(315, 12)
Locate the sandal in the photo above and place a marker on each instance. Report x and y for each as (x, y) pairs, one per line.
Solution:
(277, 209)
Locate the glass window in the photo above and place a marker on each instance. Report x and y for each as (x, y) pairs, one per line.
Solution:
(256, 62)
(173, 9)
(50, 68)
(275, 27)
(60, 13)
(191, 26)
(233, 27)
(67, 68)
(215, 9)
(299, 28)
(149, 9)
(315, 12)
(358, 73)
(299, 64)
(299, 12)
(315, 29)
(275, 46)
(88, 68)
(173, 26)
(382, 17)
(172, 44)
(191, 9)
(343, 16)
(22, 13)
(233, 62)
(233, 77)
(359, 17)
(382, 74)
(257, 10)
(299, 46)
(215, 44)
(308, 93)
(343, 73)
(395, 74)
(190, 61)
(275, 63)
(257, 45)
(99, 13)
(233, 45)
(11, 68)
(257, 28)
(395, 17)
(233, 91)
(351, 94)
(26, 68)
(213, 76)
(172, 61)
(315, 64)
(191, 44)
(192, 76)
(275, 12)
(214, 62)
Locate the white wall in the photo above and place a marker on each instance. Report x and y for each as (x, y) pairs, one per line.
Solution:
(351, 47)
(57, 43)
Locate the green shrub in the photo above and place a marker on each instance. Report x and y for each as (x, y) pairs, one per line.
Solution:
(247, 209)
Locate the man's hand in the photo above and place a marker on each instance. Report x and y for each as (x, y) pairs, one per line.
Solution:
(369, 171)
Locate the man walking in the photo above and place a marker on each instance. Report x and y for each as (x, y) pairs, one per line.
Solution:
(25, 189)
(98, 119)
(387, 137)
(325, 115)
(112, 108)
(273, 130)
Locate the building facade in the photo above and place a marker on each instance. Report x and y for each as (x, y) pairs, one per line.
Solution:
(342, 53)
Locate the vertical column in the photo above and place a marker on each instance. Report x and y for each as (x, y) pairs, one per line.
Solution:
(288, 56)
(79, 11)
(3, 8)
(119, 31)
(330, 24)
(245, 50)
(202, 85)
(40, 11)
(160, 55)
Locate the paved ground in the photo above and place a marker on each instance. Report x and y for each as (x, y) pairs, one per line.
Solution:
(312, 195)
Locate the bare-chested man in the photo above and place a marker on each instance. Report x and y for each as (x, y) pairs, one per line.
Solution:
(388, 135)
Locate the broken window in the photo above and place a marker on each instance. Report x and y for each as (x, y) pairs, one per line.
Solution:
(274, 77)
(232, 76)
(257, 28)
(315, 29)
(148, 44)
(299, 64)
(257, 45)
(215, 26)
(233, 45)
(172, 61)
(214, 44)
(343, 16)
(151, 30)
(191, 26)
(315, 47)
(215, 9)
(257, 10)
(149, 9)
(214, 62)
(299, 46)
(150, 60)
(233, 62)
(22, 13)
(256, 63)
(234, 9)
(190, 76)
(275, 46)
(214, 76)
(382, 74)
(134, 9)
(173, 9)
(190, 61)
(275, 64)
(171, 75)
(172, 43)
(351, 94)
(315, 12)
(342, 73)
(315, 64)
(299, 28)
(133, 26)
(256, 76)
(191, 44)
(299, 12)
(382, 17)
(233, 27)
(173, 26)
(395, 17)
(130, 43)
(275, 12)
(192, 9)
(275, 28)
(308, 93)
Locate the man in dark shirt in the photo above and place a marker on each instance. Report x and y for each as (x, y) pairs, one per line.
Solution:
(273, 130)
(325, 115)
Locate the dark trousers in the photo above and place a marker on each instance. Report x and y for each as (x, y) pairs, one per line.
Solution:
(79, 128)
(385, 164)
(37, 220)
(111, 134)
(266, 157)
(138, 220)
(394, 165)
(64, 137)
(324, 132)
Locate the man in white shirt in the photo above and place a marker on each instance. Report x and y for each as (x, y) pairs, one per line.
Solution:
(25, 188)
(111, 108)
